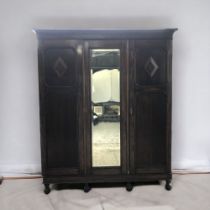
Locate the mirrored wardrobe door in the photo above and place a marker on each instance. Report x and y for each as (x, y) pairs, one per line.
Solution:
(105, 90)
(105, 101)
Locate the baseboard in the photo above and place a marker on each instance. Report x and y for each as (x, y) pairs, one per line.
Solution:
(186, 166)
(20, 169)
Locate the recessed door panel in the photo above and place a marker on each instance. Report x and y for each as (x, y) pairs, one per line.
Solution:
(60, 65)
(61, 128)
(150, 63)
(150, 131)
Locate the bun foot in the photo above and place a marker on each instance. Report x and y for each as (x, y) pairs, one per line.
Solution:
(47, 188)
(168, 185)
(129, 186)
(87, 188)
(1, 179)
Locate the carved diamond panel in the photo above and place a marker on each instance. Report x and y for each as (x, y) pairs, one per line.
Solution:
(151, 67)
(60, 67)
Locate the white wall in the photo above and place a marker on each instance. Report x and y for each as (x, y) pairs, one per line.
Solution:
(19, 112)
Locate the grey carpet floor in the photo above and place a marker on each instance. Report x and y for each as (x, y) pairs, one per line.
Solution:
(190, 192)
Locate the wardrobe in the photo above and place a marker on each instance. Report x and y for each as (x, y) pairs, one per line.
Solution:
(105, 106)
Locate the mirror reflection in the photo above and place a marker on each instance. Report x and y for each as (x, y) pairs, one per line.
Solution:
(105, 97)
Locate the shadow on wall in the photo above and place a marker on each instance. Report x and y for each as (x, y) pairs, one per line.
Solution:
(100, 22)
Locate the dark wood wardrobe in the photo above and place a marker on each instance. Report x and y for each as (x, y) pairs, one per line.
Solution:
(105, 106)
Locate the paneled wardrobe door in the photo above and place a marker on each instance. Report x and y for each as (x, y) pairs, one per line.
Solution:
(60, 69)
(150, 105)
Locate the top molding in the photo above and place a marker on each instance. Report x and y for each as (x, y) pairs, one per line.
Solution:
(104, 34)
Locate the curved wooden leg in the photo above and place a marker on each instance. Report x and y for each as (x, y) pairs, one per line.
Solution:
(47, 188)
(129, 186)
(168, 184)
(87, 188)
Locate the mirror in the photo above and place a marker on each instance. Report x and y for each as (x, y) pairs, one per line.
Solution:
(105, 98)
